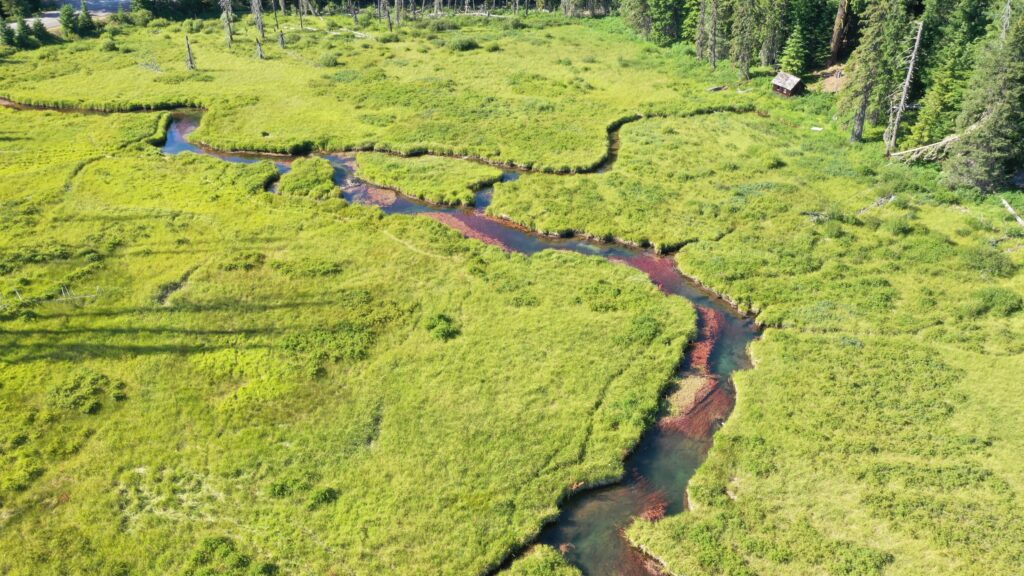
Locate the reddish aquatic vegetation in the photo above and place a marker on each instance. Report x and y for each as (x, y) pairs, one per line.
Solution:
(710, 329)
(711, 405)
(655, 506)
(377, 196)
(464, 223)
(660, 269)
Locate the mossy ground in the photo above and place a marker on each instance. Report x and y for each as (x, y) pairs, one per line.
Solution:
(436, 179)
(877, 433)
(199, 375)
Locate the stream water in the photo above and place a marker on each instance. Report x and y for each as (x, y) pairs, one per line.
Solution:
(589, 529)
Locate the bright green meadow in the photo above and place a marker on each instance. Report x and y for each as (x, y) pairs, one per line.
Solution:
(200, 377)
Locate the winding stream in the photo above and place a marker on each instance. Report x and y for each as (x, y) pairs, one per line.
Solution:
(589, 529)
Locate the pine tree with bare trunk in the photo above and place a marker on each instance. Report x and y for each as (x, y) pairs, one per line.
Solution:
(876, 65)
(701, 40)
(744, 30)
(839, 31)
(773, 31)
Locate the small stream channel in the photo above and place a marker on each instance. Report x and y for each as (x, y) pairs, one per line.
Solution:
(589, 529)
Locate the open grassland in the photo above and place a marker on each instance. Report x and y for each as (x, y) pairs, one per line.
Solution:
(200, 377)
(436, 179)
(879, 432)
(536, 93)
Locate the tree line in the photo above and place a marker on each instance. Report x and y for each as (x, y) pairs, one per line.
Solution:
(944, 77)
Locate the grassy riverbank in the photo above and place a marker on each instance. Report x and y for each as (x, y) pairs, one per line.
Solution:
(878, 432)
(231, 380)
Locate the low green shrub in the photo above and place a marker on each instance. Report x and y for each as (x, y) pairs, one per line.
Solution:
(463, 44)
(442, 327)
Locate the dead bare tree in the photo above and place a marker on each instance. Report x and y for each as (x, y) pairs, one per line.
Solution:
(896, 114)
(714, 34)
(227, 15)
(1006, 18)
(277, 23)
(257, 15)
(190, 61)
(259, 50)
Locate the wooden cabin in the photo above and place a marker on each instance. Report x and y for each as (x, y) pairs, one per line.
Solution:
(787, 84)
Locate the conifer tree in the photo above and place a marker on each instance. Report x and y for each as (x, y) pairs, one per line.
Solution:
(794, 55)
(877, 65)
(67, 21)
(637, 14)
(40, 32)
(946, 74)
(991, 147)
(772, 32)
(22, 33)
(7, 36)
(85, 25)
(941, 103)
(744, 30)
(666, 20)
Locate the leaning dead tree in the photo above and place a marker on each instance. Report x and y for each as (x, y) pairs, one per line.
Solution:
(227, 16)
(257, 16)
(1012, 212)
(190, 61)
(896, 114)
(259, 50)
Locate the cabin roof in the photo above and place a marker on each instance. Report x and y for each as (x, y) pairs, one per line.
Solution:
(787, 81)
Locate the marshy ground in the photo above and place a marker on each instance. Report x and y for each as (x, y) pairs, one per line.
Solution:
(197, 375)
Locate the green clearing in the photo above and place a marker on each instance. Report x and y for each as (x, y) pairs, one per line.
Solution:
(413, 95)
(433, 178)
(879, 431)
(260, 381)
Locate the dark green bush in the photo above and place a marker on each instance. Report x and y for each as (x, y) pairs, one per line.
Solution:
(245, 261)
(463, 44)
(328, 60)
(442, 24)
(899, 226)
(995, 301)
(990, 262)
(442, 327)
(322, 497)
(84, 391)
